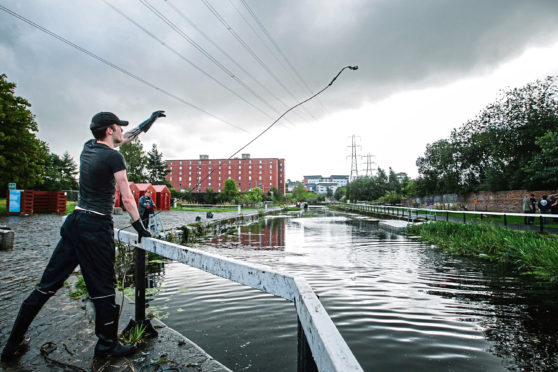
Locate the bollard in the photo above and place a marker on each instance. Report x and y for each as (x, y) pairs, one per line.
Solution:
(6, 238)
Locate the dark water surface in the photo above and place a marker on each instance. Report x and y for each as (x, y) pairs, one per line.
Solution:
(400, 304)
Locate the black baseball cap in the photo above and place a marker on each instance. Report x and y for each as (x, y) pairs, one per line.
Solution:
(105, 119)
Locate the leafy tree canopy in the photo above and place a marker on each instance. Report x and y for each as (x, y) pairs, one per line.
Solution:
(22, 155)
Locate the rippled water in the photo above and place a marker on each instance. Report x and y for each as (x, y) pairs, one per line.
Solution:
(400, 304)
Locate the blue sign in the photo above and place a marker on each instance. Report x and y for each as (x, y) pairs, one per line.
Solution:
(15, 201)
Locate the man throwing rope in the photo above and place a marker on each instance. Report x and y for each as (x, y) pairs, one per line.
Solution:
(87, 237)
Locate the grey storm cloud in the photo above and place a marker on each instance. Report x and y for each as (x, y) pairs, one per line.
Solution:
(398, 45)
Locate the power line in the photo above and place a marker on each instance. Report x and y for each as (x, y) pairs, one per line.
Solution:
(193, 25)
(181, 56)
(249, 50)
(110, 64)
(201, 50)
(268, 35)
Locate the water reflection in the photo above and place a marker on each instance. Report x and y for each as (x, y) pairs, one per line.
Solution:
(267, 234)
(399, 303)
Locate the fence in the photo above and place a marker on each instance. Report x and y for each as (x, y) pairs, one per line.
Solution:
(320, 345)
(436, 214)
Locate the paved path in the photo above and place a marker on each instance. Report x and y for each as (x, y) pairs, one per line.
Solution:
(64, 321)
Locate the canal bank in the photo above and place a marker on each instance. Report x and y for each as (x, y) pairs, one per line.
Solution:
(63, 321)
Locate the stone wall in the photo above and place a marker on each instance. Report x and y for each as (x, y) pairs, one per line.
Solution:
(498, 201)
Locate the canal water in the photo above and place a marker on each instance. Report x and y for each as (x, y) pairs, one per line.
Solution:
(401, 305)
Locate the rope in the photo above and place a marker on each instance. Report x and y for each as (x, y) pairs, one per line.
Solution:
(49, 347)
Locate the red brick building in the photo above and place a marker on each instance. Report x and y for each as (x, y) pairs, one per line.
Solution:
(247, 172)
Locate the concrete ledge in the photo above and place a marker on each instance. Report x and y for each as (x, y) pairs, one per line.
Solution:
(395, 226)
(169, 345)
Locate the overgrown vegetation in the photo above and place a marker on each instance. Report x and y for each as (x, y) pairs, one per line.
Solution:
(81, 289)
(528, 252)
(134, 335)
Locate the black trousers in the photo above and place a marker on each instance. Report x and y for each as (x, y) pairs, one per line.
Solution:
(87, 240)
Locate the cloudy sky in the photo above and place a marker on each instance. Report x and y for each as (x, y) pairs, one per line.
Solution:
(225, 70)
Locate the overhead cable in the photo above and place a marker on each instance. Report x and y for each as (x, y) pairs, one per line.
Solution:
(249, 49)
(202, 50)
(110, 64)
(194, 26)
(277, 47)
(181, 56)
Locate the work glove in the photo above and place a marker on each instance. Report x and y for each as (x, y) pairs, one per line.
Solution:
(147, 123)
(142, 232)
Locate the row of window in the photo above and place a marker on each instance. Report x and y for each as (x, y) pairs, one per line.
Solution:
(190, 162)
(209, 178)
(190, 185)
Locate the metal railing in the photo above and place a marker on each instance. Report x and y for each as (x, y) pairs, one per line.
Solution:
(320, 345)
(438, 214)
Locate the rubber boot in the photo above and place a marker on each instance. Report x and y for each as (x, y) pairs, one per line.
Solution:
(16, 344)
(106, 329)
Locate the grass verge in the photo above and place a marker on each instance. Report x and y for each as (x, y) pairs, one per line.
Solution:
(528, 252)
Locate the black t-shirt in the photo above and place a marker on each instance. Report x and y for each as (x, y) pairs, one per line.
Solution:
(97, 185)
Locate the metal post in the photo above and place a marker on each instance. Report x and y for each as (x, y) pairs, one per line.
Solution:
(505, 220)
(140, 284)
(447, 216)
(305, 361)
(464, 217)
(541, 224)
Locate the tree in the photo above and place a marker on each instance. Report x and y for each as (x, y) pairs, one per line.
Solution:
(59, 173)
(255, 195)
(229, 192)
(22, 155)
(299, 192)
(329, 192)
(340, 192)
(156, 167)
(135, 160)
(542, 170)
(277, 196)
(209, 196)
(494, 150)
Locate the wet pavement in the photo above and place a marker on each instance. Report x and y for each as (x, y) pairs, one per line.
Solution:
(64, 321)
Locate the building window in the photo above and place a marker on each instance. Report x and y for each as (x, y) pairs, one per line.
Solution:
(249, 178)
(180, 178)
(270, 178)
(260, 178)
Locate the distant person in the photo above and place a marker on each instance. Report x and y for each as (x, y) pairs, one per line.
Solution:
(146, 207)
(544, 207)
(553, 204)
(533, 205)
(527, 209)
(87, 238)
